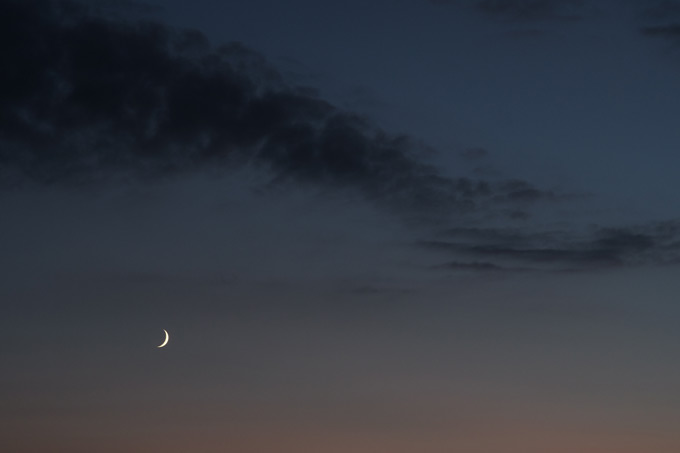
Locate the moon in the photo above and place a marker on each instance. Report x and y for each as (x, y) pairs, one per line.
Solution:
(167, 338)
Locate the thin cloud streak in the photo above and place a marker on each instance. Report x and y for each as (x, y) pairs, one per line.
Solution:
(526, 10)
(563, 251)
(671, 31)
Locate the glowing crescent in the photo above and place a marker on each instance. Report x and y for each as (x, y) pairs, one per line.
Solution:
(167, 338)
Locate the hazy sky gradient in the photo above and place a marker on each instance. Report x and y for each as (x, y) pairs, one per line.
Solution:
(405, 226)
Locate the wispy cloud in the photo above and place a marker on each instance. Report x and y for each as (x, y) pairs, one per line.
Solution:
(526, 10)
(532, 10)
(670, 31)
(599, 248)
(661, 19)
(661, 10)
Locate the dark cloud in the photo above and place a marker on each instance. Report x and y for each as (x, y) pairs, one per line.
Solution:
(473, 267)
(532, 10)
(368, 290)
(661, 20)
(512, 249)
(670, 31)
(84, 98)
(519, 191)
(661, 10)
(517, 214)
(495, 235)
(522, 191)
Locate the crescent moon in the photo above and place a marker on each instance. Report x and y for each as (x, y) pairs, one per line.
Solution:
(167, 338)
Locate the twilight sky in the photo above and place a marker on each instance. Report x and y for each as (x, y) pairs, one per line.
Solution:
(388, 226)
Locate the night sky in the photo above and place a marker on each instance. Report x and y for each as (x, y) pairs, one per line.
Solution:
(404, 226)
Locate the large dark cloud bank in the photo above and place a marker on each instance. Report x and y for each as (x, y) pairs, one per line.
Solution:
(86, 99)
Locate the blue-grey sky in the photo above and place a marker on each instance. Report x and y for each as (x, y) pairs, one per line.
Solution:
(588, 103)
(404, 226)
